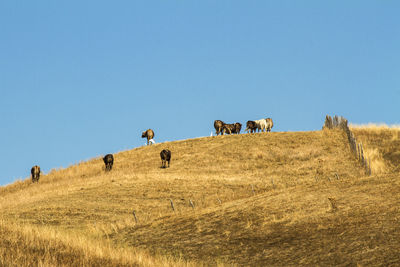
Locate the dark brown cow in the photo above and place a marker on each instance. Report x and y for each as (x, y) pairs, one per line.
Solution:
(35, 172)
(251, 126)
(108, 161)
(165, 157)
(238, 127)
(219, 125)
(228, 128)
(149, 134)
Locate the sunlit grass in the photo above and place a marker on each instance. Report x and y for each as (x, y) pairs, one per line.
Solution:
(258, 200)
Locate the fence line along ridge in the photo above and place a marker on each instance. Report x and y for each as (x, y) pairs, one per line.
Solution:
(357, 148)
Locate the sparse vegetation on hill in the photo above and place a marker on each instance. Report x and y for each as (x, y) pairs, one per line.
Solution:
(249, 199)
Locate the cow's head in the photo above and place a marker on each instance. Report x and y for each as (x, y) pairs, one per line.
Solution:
(144, 134)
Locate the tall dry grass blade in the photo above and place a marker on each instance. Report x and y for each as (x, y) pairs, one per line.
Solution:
(172, 205)
(134, 216)
(191, 203)
(333, 204)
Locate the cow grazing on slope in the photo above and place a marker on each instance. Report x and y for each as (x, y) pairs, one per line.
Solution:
(108, 161)
(219, 125)
(165, 155)
(35, 172)
(270, 124)
(251, 127)
(149, 134)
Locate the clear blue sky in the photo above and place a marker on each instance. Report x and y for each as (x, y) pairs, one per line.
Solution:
(80, 79)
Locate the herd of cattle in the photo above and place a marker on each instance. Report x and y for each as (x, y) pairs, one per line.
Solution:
(220, 128)
(251, 126)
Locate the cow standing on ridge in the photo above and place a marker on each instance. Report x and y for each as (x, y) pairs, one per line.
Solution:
(228, 128)
(165, 155)
(35, 172)
(251, 127)
(238, 127)
(219, 125)
(261, 125)
(108, 161)
(149, 134)
(270, 124)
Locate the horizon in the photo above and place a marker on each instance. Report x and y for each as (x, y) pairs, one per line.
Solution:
(80, 80)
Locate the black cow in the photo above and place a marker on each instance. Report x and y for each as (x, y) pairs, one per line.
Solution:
(251, 126)
(165, 157)
(149, 134)
(108, 161)
(35, 172)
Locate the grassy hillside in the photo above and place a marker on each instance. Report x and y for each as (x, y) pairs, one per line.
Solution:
(258, 199)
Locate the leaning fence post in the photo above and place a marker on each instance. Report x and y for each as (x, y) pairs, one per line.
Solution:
(362, 153)
(335, 121)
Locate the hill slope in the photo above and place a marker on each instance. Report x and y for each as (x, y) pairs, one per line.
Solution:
(258, 199)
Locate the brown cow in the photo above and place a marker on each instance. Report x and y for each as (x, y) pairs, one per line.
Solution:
(35, 172)
(228, 128)
(165, 155)
(270, 124)
(251, 126)
(238, 127)
(108, 161)
(218, 125)
(149, 134)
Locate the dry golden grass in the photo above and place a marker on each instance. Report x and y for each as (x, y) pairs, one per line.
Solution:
(375, 126)
(259, 199)
(27, 245)
(381, 145)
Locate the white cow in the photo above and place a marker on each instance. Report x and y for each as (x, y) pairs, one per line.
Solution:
(270, 124)
(261, 125)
